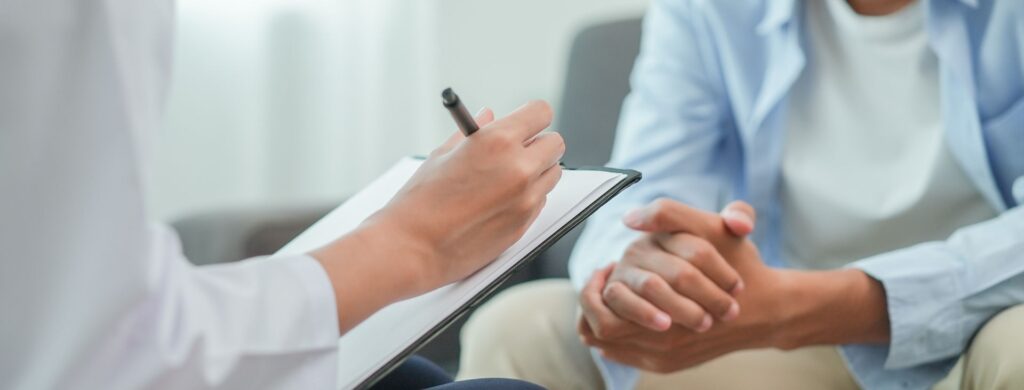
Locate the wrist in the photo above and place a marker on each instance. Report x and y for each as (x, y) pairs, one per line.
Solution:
(415, 251)
(371, 267)
(405, 256)
(792, 309)
(842, 306)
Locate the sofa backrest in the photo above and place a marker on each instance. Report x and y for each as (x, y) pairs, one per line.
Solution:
(596, 82)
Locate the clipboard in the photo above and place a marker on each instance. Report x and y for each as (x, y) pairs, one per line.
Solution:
(383, 341)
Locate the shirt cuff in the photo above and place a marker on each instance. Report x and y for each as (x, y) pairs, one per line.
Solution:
(322, 307)
(865, 363)
(615, 376)
(923, 288)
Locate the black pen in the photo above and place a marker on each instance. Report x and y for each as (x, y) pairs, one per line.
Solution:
(459, 113)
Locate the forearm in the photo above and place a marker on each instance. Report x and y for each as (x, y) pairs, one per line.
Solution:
(371, 268)
(833, 307)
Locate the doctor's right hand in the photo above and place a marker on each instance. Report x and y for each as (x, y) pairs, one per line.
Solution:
(476, 196)
(469, 201)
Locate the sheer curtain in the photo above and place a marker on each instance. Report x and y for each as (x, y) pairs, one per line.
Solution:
(279, 102)
(286, 102)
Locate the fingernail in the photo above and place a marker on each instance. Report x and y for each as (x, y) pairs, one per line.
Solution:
(737, 215)
(662, 321)
(705, 324)
(738, 288)
(734, 311)
(633, 218)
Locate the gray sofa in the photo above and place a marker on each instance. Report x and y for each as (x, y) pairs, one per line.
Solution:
(596, 81)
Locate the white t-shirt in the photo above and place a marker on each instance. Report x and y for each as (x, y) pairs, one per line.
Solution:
(865, 168)
(92, 294)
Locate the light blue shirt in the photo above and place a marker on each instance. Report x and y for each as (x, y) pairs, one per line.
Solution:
(704, 123)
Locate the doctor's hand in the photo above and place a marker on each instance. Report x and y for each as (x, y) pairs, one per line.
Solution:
(468, 202)
(476, 196)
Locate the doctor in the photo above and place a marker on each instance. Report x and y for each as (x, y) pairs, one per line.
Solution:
(95, 295)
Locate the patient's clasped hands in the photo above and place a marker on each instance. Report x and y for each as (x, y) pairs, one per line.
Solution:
(692, 288)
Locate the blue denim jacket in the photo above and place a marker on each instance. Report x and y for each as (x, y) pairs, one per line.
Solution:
(704, 123)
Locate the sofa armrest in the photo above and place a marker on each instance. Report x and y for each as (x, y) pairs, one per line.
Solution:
(230, 235)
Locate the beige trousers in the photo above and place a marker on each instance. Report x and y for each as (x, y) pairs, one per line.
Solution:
(529, 332)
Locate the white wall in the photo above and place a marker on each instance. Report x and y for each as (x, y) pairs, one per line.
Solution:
(279, 102)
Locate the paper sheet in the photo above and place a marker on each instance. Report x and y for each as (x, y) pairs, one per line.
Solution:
(374, 342)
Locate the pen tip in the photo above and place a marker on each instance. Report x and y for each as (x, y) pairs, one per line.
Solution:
(449, 97)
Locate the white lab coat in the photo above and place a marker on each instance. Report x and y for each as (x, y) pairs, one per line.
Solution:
(92, 294)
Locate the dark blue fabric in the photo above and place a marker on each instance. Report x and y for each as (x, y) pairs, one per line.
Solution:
(420, 373)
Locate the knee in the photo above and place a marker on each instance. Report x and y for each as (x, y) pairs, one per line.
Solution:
(510, 335)
(519, 316)
(995, 359)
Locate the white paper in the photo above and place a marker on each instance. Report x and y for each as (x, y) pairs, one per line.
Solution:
(374, 342)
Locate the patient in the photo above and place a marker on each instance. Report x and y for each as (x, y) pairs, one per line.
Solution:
(881, 143)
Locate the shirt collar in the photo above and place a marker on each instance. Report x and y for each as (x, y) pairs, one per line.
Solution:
(780, 12)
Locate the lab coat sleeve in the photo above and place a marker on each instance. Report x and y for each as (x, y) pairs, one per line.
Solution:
(257, 323)
(92, 296)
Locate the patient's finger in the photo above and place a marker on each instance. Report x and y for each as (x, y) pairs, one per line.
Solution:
(653, 288)
(602, 320)
(705, 258)
(739, 217)
(627, 304)
(666, 215)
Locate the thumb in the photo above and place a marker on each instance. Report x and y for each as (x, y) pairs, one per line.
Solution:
(739, 217)
(484, 117)
(669, 216)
